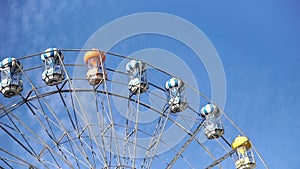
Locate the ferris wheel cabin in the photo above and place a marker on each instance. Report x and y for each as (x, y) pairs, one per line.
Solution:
(138, 80)
(53, 73)
(244, 154)
(176, 100)
(11, 83)
(96, 72)
(212, 125)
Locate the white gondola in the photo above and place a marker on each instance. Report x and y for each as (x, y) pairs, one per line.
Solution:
(96, 72)
(138, 80)
(11, 83)
(213, 124)
(53, 73)
(176, 99)
(244, 158)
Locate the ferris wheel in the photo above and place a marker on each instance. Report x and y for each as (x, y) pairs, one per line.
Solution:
(58, 114)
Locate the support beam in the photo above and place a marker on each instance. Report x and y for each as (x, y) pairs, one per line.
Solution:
(220, 159)
(192, 136)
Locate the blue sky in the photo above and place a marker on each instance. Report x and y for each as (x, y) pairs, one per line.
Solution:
(257, 41)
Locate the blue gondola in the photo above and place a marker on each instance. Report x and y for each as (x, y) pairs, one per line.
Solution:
(176, 99)
(138, 80)
(213, 125)
(53, 73)
(11, 83)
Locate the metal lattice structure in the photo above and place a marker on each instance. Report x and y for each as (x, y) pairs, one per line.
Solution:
(70, 123)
